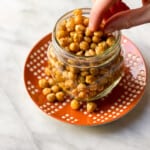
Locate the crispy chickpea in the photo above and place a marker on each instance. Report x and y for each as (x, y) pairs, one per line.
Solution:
(96, 39)
(99, 50)
(79, 53)
(60, 96)
(51, 97)
(55, 88)
(64, 41)
(69, 84)
(84, 45)
(79, 28)
(90, 52)
(75, 104)
(81, 86)
(51, 81)
(77, 12)
(87, 39)
(86, 21)
(91, 107)
(74, 47)
(61, 33)
(43, 83)
(46, 91)
(110, 41)
(88, 32)
(77, 37)
(103, 45)
(71, 75)
(78, 19)
(98, 33)
(47, 71)
(70, 24)
(62, 25)
(82, 95)
(89, 79)
(93, 46)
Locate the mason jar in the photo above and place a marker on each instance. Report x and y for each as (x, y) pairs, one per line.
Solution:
(82, 77)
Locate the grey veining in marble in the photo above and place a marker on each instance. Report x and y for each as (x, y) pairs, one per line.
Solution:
(22, 125)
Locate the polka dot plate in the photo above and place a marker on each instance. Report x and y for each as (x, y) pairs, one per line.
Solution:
(112, 107)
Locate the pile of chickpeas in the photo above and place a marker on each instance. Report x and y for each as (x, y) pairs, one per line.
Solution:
(54, 92)
(82, 84)
(74, 36)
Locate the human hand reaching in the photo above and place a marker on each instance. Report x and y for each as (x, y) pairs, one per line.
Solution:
(117, 15)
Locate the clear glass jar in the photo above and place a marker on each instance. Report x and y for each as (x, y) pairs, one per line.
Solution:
(82, 77)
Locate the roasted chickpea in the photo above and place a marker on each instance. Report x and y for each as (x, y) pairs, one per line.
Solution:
(96, 39)
(77, 12)
(70, 24)
(64, 41)
(43, 83)
(60, 96)
(46, 91)
(81, 87)
(78, 19)
(51, 97)
(61, 33)
(82, 95)
(99, 50)
(98, 33)
(80, 28)
(47, 71)
(87, 39)
(79, 53)
(91, 107)
(90, 52)
(89, 79)
(93, 46)
(88, 32)
(55, 88)
(110, 41)
(86, 21)
(84, 45)
(74, 47)
(75, 104)
(77, 37)
(69, 84)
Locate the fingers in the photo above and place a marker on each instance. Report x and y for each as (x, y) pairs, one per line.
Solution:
(145, 2)
(127, 19)
(98, 10)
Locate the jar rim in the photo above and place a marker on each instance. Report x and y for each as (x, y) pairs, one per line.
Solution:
(87, 11)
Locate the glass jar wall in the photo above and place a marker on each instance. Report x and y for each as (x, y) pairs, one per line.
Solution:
(85, 78)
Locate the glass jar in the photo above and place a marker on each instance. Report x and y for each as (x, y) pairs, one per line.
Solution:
(82, 77)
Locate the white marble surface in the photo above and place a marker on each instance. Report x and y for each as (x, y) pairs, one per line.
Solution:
(22, 125)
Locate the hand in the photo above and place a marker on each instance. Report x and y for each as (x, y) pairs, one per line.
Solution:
(122, 19)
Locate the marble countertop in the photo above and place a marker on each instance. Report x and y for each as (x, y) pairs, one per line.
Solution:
(22, 125)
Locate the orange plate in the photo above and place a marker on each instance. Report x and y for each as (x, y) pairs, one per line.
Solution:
(118, 103)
